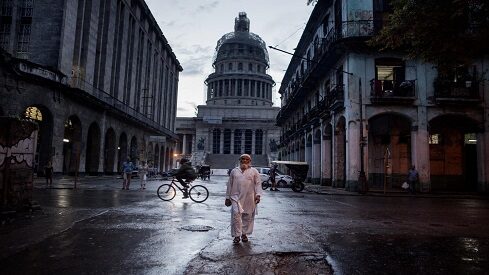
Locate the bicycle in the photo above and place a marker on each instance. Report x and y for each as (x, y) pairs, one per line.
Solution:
(197, 193)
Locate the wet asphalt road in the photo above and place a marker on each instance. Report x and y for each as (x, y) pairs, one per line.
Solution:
(100, 229)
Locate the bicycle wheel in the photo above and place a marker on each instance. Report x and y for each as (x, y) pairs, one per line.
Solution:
(198, 193)
(166, 192)
(265, 184)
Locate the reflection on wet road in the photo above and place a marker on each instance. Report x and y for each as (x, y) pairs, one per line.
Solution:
(106, 230)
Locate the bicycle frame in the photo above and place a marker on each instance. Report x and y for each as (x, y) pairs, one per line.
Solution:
(181, 188)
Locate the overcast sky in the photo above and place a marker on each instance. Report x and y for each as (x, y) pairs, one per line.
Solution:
(192, 27)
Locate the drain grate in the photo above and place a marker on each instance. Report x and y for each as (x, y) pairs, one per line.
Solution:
(197, 228)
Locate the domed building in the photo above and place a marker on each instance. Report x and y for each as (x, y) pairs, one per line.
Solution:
(239, 116)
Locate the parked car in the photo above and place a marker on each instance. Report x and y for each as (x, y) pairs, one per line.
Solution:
(281, 179)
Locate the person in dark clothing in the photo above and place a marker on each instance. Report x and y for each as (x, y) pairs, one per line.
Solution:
(412, 179)
(184, 175)
(272, 173)
(48, 172)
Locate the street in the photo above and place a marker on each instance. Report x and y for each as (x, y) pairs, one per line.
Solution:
(100, 229)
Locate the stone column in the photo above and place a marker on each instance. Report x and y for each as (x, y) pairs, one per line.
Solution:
(210, 148)
(232, 141)
(420, 155)
(242, 141)
(221, 142)
(235, 87)
(184, 143)
(253, 141)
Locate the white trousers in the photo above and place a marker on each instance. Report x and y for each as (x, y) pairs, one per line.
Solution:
(241, 223)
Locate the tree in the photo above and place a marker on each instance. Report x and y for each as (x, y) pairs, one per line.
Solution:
(446, 33)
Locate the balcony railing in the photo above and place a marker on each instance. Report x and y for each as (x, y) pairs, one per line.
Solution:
(389, 91)
(336, 97)
(115, 103)
(449, 89)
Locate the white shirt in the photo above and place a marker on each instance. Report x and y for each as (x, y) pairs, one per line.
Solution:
(242, 188)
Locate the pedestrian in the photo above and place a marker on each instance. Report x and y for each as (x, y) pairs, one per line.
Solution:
(127, 168)
(272, 173)
(48, 173)
(184, 175)
(412, 179)
(143, 174)
(243, 193)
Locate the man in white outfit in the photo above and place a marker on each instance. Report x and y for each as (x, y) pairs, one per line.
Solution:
(243, 194)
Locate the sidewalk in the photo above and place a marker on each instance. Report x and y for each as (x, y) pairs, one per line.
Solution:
(328, 190)
(115, 182)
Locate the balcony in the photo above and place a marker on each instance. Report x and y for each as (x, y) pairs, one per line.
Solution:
(390, 92)
(115, 105)
(459, 92)
(336, 98)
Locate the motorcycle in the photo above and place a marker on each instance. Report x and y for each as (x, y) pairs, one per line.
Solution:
(299, 173)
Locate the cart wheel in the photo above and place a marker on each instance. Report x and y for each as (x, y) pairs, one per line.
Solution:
(298, 187)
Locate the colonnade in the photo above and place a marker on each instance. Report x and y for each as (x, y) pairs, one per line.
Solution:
(239, 87)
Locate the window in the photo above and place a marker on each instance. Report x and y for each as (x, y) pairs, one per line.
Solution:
(325, 25)
(216, 141)
(33, 113)
(434, 139)
(4, 35)
(230, 66)
(470, 138)
(227, 141)
(389, 74)
(240, 66)
(250, 67)
(222, 68)
(24, 39)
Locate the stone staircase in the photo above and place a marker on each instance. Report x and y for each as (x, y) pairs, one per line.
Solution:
(198, 158)
(221, 161)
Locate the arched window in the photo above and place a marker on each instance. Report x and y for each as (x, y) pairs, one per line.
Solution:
(240, 66)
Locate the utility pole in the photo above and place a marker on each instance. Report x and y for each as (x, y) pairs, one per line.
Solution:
(362, 179)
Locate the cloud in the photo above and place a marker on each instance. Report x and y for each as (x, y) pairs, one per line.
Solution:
(194, 58)
(207, 7)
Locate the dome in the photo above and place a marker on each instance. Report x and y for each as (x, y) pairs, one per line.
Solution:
(240, 69)
(241, 42)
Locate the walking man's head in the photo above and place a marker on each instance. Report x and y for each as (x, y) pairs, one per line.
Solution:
(245, 161)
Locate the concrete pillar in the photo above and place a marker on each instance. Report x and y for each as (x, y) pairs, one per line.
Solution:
(253, 141)
(316, 158)
(235, 87)
(420, 155)
(184, 143)
(232, 141)
(210, 148)
(242, 141)
(221, 142)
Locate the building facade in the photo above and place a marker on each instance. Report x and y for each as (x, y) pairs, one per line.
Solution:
(238, 116)
(99, 77)
(347, 108)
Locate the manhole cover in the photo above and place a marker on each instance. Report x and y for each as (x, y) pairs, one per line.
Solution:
(200, 228)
